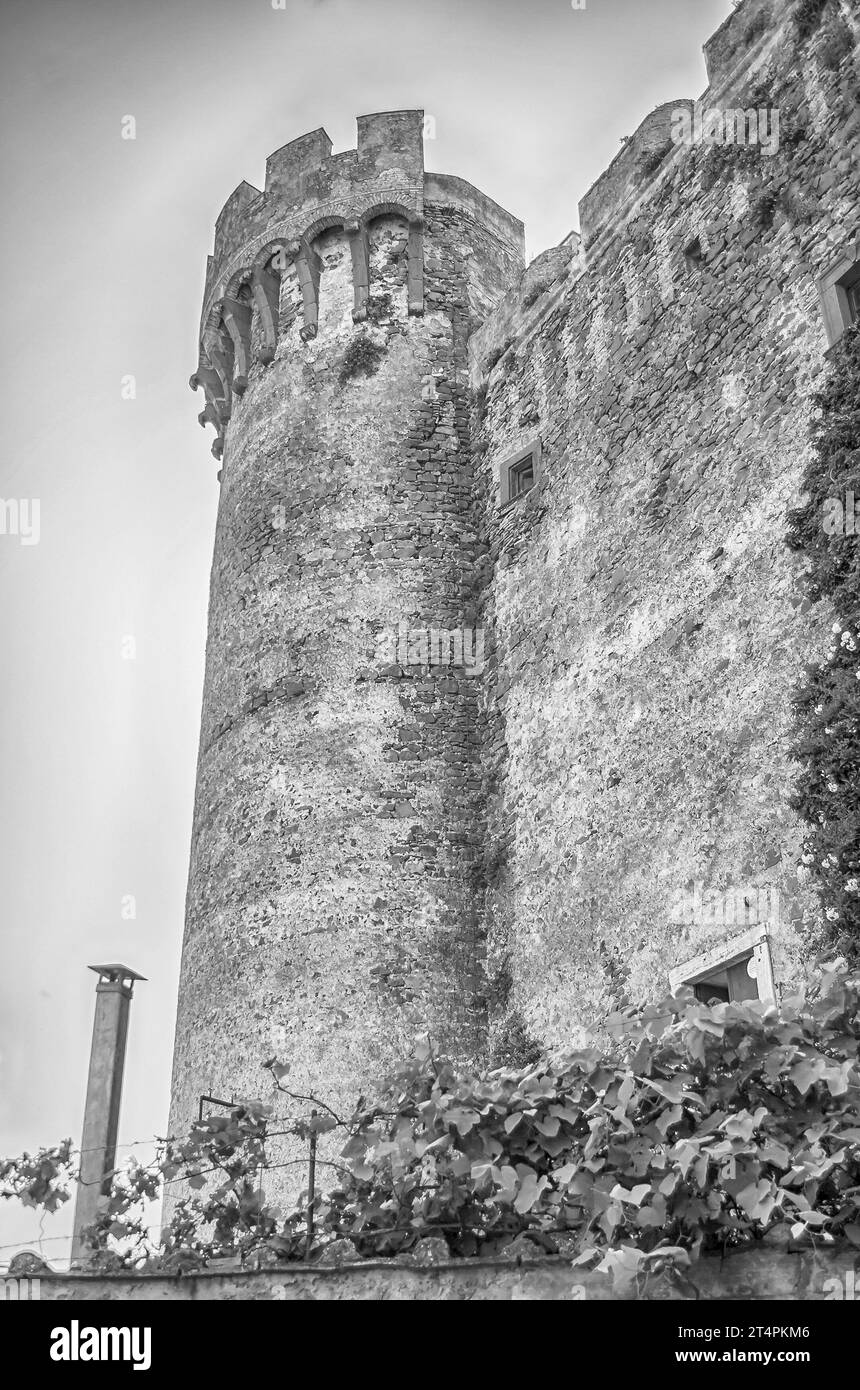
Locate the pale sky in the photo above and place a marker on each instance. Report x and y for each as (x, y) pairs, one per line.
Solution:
(104, 247)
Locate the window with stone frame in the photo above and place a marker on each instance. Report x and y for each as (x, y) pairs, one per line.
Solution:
(518, 473)
(839, 292)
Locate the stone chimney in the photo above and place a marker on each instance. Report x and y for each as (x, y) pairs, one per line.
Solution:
(104, 1088)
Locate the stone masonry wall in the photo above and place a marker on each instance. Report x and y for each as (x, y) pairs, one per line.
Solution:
(500, 853)
(335, 871)
(748, 1276)
(649, 622)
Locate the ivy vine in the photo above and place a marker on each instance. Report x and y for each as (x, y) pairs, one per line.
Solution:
(701, 1127)
(827, 704)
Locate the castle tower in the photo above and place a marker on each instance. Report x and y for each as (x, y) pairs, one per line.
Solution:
(334, 885)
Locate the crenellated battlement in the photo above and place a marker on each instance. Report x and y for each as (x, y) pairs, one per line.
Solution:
(288, 169)
(261, 237)
(303, 177)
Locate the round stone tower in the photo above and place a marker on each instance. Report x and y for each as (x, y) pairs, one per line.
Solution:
(335, 879)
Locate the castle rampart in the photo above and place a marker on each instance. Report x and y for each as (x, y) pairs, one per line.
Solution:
(588, 462)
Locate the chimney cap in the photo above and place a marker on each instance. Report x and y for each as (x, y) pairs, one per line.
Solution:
(116, 972)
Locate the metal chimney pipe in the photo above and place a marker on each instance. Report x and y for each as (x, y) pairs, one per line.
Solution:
(104, 1089)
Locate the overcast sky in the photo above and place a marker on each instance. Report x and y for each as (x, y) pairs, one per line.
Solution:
(104, 249)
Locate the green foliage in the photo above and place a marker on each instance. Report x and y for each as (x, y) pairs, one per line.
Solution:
(649, 161)
(702, 1127)
(764, 207)
(495, 354)
(221, 1161)
(42, 1179)
(769, 177)
(513, 1045)
(827, 703)
(723, 161)
(379, 307)
(362, 358)
(808, 17)
(838, 43)
(757, 27)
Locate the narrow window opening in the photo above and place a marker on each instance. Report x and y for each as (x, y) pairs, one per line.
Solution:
(741, 968)
(522, 477)
(839, 292)
(519, 473)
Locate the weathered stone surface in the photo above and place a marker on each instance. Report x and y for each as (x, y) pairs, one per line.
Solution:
(381, 847)
(28, 1262)
(649, 623)
(335, 884)
(750, 1277)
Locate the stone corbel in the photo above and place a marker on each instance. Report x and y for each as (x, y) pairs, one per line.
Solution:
(357, 234)
(213, 389)
(415, 293)
(308, 267)
(237, 318)
(209, 416)
(213, 411)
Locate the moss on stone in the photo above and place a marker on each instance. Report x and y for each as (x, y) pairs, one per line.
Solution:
(362, 358)
(809, 16)
(512, 1044)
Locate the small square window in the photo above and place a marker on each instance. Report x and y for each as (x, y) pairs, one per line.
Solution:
(740, 968)
(839, 292)
(519, 473)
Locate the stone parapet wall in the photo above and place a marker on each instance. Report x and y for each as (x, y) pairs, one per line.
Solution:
(753, 1277)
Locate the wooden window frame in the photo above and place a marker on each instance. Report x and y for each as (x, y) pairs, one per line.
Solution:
(749, 945)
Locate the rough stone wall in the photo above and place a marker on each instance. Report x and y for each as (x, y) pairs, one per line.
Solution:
(381, 846)
(334, 885)
(648, 620)
(748, 1276)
